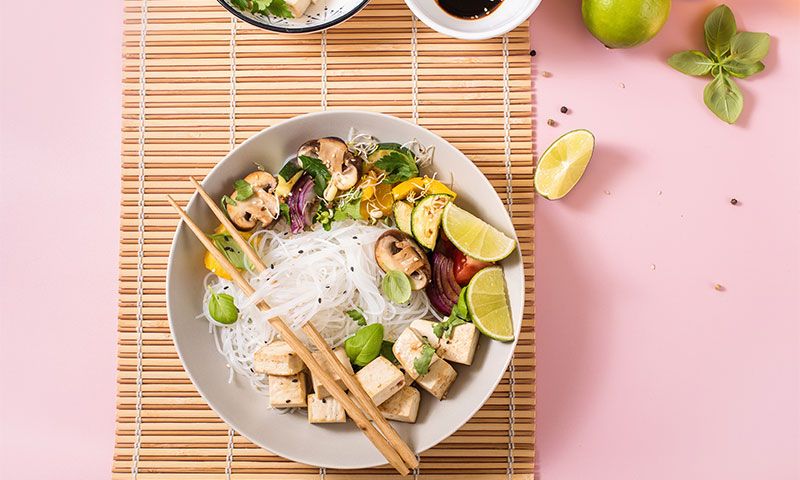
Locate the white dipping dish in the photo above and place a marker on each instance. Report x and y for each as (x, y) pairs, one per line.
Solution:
(507, 16)
(290, 435)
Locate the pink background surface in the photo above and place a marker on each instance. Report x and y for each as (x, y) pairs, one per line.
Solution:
(644, 370)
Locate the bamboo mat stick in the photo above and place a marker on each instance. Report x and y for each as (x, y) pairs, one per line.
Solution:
(311, 331)
(297, 345)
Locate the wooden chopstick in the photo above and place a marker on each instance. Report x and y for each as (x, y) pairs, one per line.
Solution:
(353, 410)
(311, 331)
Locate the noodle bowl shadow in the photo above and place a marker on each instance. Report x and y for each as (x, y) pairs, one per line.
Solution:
(245, 409)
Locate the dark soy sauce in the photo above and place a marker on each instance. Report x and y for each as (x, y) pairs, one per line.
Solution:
(469, 9)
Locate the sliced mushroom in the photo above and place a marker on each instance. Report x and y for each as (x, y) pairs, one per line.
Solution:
(343, 165)
(396, 250)
(263, 206)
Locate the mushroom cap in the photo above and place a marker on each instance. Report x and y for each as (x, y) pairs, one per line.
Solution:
(263, 206)
(396, 250)
(333, 152)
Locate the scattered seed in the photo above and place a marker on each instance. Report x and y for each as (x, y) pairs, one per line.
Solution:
(300, 252)
(323, 401)
(652, 266)
(287, 400)
(564, 109)
(734, 201)
(660, 192)
(606, 192)
(718, 287)
(352, 269)
(294, 380)
(547, 74)
(532, 53)
(551, 122)
(272, 266)
(225, 287)
(355, 237)
(621, 85)
(319, 300)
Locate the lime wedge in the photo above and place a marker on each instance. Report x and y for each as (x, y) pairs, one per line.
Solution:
(487, 302)
(563, 163)
(475, 237)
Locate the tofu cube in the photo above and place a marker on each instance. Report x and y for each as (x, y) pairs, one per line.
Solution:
(340, 354)
(438, 379)
(424, 329)
(402, 406)
(287, 391)
(380, 379)
(325, 410)
(460, 348)
(277, 358)
(408, 348)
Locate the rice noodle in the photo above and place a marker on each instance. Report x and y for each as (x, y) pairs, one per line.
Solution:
(311, 276)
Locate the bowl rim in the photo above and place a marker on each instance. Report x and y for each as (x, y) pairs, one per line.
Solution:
(502, 29)
(292, 30)
(181, 227)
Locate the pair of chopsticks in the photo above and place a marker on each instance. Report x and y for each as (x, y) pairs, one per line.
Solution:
(359, 407)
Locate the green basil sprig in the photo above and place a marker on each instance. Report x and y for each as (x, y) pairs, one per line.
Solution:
(423, 363)
(357, 316)
(731, 54)
(279, 8)
(222, 308)
(386, 351)
(458, 316)
(396, 286)
(365, 345)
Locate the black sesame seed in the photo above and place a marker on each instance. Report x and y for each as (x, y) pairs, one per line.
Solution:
(272, 266)
(287, 400)
(300, 252)
(355, 237)
(225, 287)
(533, 53)
(319, 300)
(564, 109)
(352, 269)
(294, 380)
(323, 401)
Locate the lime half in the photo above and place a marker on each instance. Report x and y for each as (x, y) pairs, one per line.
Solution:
(475, 237)
(487, 302)
(563, 163)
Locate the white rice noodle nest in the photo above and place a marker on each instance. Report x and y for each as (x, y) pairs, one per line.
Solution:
(314, 276)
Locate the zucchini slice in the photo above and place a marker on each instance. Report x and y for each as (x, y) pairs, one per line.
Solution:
(426, 218)
(402, 215)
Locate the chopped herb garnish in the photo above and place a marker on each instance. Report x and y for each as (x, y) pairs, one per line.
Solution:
(243, 190)
(357, 316)
(423, 363)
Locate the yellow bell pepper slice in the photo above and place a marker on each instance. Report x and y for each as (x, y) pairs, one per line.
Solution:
(418, 185)
(212, 264)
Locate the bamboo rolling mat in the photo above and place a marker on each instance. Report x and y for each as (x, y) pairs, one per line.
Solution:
(196, 83)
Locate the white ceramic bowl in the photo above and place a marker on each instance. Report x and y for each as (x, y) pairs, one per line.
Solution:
(506, 17)
(290, 435)
(320, 16)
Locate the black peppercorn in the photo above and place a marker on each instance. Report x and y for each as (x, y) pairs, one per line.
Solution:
(564, 109)
(533, 53)
(734, 201)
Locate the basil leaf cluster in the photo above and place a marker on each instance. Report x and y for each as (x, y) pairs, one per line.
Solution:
(365, 345)
(730, 54)
(396, 286)
(278, 8)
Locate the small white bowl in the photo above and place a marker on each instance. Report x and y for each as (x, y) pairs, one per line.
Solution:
(506, 17)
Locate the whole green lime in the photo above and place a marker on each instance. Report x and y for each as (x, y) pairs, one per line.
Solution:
(624, 23)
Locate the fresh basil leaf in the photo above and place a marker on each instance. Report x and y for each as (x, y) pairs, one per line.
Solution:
(365, 345)
(222, 308)
(243, 190)
(318, 171)
(719, 27)
(396, 286)
(399, 166)
(240, 4)
(279, 8)
(350, 209)
(749, 47)
(743, 70)
(423, 363)
(691, 62)
(289, 170)
(461, 306)
(284, 212)
(357, 316)
(723, 97)
(386, 351)
(225, 244)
